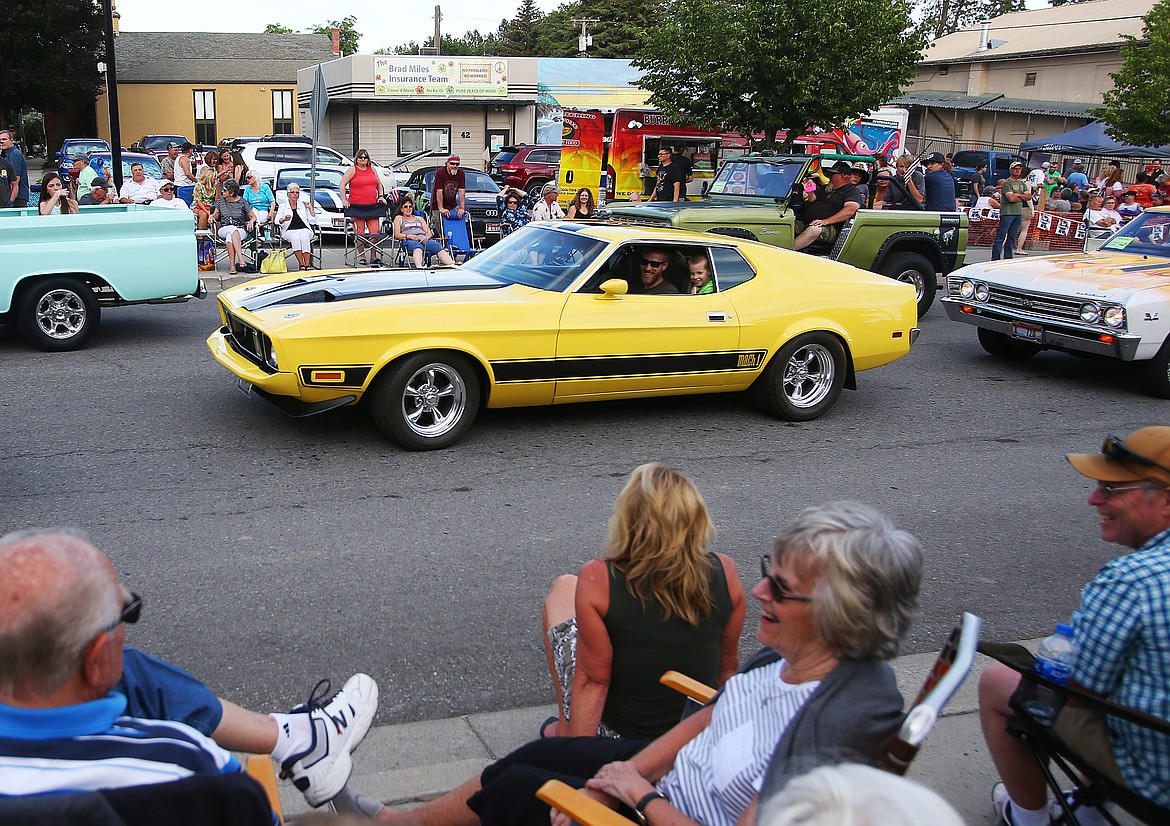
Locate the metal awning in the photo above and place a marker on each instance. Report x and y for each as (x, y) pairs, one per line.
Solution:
(991, 102)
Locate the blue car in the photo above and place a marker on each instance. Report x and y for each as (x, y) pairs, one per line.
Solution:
(73, 146)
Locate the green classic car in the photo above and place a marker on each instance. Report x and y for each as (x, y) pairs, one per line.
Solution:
(759, 197)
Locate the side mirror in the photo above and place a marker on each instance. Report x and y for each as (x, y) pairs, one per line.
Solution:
(612, 289)
(56, 156)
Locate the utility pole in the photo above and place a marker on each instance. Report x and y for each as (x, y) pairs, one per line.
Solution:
(585, 40)
(438, 33)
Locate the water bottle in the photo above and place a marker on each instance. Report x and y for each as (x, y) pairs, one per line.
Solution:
(1054, 662)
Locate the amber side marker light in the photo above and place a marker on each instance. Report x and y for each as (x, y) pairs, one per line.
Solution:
(897, 334)
(1105, 338)
(327, 375)
(967, 308)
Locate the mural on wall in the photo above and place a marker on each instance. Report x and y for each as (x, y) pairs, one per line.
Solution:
(440, 77)
(570, 82)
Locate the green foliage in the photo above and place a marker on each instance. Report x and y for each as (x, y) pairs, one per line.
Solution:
(518, 36)
(49, 55)
(1137, 108)
(942, 17)
(473, 42)
(277, 28)
(775, 64)
(350, 36)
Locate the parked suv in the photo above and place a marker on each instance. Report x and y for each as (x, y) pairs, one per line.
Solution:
(268, 157)
(526, 167)
(156, 144)
(965, 163)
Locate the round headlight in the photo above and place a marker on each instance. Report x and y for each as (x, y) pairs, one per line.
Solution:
(1090, 313)
(982, 292)
(1114, 316)
(967, 289)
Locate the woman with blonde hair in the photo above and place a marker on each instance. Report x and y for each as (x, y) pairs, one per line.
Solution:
(206, 192)
(659, 600)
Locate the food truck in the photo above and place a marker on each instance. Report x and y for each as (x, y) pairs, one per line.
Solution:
(621, 150)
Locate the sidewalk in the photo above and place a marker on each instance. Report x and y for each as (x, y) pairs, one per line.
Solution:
(412, 762)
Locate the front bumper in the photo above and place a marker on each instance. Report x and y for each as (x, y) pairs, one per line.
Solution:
(1057, 335)
(281, 389)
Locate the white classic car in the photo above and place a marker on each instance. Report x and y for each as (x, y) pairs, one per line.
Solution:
(1113, 302)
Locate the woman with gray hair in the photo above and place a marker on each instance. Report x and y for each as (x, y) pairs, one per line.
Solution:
(836, 596)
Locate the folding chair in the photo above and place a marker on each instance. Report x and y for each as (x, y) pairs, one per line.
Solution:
(378, 246)
(949, 671)
(1091, 787)
(458, 237)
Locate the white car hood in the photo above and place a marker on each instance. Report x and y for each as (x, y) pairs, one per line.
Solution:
(1109, 276)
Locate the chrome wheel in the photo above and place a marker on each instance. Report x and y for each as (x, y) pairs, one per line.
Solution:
(60, 314)
(810, 375)
(434, 400)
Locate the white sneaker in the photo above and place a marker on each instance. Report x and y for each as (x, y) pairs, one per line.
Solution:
(338, 726)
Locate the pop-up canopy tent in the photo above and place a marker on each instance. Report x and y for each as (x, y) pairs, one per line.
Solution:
(1091, 139)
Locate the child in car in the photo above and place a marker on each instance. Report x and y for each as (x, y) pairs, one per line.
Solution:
(700, 268)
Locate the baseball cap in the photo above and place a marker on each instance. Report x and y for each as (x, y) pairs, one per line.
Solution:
(172, 145)
(187, 145)
(1020, 164)
(935, 157)
(79, 156)
(452, 158)
(1078, 162)
(839, 168)
(96, 182)
(1144, 455)
(1045, 165)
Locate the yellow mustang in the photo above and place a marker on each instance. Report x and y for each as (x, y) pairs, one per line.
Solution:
(564, 312)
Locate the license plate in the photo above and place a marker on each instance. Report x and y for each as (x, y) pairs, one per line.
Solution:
(1027, 332)
(338, 222)
(245, 386)
(493, 227)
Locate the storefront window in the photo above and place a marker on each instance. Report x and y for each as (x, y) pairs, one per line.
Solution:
(417, 138)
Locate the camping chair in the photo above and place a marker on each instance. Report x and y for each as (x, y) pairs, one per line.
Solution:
(949, 671)
(1090, 786)
(378, 245)
(458, 237)
(250, 245)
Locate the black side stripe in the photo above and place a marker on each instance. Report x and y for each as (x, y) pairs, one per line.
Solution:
(628, 366)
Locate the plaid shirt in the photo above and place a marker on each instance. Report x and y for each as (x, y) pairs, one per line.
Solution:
(1122, 634)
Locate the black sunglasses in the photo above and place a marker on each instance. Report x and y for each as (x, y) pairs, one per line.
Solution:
(779, 590)
(647, 262)
(129, 615)
(1114, 448)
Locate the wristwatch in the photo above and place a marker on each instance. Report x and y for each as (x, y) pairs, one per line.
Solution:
(640, 808)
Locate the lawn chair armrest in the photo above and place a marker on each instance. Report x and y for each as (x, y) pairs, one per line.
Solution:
(683, 684)
(580, 807)
(259, 767)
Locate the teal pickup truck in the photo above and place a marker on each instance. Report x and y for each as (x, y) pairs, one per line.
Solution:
(58, 271)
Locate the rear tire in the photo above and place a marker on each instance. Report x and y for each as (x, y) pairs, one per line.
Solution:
(804, 378)
(917, 271)
(57, 314)
(1005, 347)
(534, 189)
(427, 401)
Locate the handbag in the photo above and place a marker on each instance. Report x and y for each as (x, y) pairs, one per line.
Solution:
(275, 262)
(205, 255)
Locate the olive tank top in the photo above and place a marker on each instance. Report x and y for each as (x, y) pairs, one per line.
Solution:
(645, 646)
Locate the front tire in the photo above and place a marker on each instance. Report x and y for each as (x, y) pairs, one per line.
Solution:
(58, 314)
(427, 401)
(1005, 347)
(1157, 373)
(917, 271)
(804, 379)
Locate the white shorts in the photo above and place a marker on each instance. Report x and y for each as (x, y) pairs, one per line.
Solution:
(227, 230)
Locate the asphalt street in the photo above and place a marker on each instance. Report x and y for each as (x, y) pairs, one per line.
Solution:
(272, 551)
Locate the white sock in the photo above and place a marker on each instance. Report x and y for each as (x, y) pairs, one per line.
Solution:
(1020, 816)
(295, 735)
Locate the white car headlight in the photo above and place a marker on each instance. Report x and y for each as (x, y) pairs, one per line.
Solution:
(982, 292)
(1090, 313)
(967, 289)
(1114, 316)
(270, 358)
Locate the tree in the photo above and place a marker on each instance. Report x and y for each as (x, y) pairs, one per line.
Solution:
(757, 71)
(49, 56)
(277, 28)
(1137, 108)
(470, 43)
(350, 36)
(942, 17)
(518, 36)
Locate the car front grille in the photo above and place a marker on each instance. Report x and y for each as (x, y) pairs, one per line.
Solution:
(249, 342)
(1055, 307)
(483, 212)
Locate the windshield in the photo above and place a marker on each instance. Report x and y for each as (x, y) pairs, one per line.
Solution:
(765, 179)
(971, 159)
(545, 257)
(1147, 234)
(159, 142)
(326, 178)
(504, 156)
(150, 166)
(75, 147)
(476, 182)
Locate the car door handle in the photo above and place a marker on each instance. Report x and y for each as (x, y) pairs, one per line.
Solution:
(718, 316)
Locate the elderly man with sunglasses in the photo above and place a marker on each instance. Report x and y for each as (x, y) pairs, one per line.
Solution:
(1122, 636)
(80, 712)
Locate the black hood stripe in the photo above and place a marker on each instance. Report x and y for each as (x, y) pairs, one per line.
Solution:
(328, 288)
